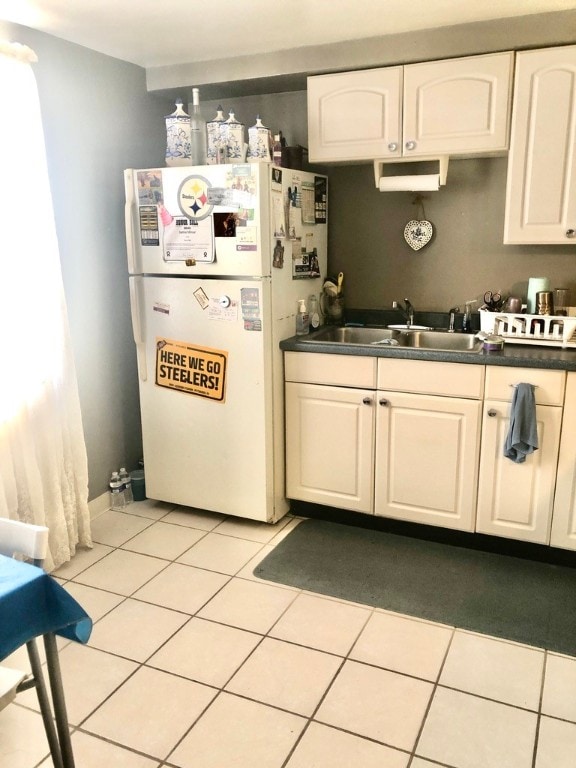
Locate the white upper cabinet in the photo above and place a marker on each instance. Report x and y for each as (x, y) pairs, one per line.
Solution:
(541, 187)
(451, 107)
(355, 115)
(458, 106)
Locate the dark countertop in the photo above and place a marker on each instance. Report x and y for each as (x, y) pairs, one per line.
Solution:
(516, 355)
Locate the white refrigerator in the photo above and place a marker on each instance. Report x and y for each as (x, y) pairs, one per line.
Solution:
(218, 257)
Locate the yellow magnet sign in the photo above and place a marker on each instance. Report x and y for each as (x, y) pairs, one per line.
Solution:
(188, 368)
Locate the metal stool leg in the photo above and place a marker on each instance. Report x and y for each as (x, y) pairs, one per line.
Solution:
(44, 703)
(53, 664)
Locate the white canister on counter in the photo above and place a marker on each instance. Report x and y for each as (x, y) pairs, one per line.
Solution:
(259, 143)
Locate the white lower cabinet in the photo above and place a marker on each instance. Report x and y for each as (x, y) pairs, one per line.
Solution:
(357, 438)
(330, 445)
(426, 459)
(515, 500)
(564, 519)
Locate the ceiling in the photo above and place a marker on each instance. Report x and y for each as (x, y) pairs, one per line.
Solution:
(153, 33)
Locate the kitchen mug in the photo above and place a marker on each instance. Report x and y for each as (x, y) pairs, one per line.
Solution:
(561, 300)
(545, 303)
(535, 284)
(514, 304)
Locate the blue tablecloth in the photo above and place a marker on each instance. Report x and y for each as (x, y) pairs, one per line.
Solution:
(32, 603)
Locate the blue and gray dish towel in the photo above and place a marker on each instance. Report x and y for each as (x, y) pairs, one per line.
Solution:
(522, 438)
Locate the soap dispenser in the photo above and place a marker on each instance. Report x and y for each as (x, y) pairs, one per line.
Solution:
(467, 319)
(302, 319)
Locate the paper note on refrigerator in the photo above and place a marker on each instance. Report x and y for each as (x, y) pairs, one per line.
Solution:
(188, 240)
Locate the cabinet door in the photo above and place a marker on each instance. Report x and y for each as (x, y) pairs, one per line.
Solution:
(541, 186)
(427, 458)
(330, 445)
(458, 106)
(355, 115)
(564, 517)
(515, 500)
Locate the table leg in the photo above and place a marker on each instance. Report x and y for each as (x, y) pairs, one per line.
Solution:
(57, 689)
(44, 702)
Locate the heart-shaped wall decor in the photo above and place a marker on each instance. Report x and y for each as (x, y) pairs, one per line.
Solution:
(418, 233)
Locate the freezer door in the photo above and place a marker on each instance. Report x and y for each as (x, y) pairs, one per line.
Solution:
(206, 394)
(197, 221)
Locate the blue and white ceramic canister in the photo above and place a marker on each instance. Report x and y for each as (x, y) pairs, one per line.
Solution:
(178, 137)
(259, 143)
(216, 135)
(235, 149)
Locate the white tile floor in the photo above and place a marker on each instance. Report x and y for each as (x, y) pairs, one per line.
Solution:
(195, 663)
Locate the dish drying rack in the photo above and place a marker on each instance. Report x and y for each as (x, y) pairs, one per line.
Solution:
(547, 330)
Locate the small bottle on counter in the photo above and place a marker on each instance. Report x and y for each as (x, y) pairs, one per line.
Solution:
(314, 312)
(467, 319)
(302, 319)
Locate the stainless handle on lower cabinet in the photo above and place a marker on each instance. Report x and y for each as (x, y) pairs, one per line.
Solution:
(492, 412)
(571, 233)
(383, 401)
(367, 401)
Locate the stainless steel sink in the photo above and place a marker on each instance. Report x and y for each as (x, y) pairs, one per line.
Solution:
(426, 340)
(336, 335)
(455, 342)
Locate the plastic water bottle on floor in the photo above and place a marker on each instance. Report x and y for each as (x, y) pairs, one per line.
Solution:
(127, 481)
(117, 497)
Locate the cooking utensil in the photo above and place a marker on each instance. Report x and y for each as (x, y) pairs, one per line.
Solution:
(340, 281)
(330, 288)
(493, 301)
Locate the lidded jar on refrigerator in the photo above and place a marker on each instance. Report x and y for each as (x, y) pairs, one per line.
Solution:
(178, 136)
(259, 143)
(216, 136)
(234, 139)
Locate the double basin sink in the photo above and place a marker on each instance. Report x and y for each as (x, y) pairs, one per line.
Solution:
(390, 337)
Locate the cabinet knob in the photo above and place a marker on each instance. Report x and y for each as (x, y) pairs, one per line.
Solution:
(383, 401)
(571, 233)
(492, 412)
(367, 401)
(393, 146)
(410, 145)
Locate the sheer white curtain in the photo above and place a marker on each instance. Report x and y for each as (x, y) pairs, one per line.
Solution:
(43, 467)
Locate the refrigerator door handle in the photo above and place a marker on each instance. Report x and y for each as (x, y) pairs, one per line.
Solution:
(130, 219)
(136, 288)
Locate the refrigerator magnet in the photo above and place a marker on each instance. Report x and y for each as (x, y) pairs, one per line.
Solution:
(201, 297)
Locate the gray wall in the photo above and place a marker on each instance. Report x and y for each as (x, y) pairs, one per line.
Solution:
(98, 120)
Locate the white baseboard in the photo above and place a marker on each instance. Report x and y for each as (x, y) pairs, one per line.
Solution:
(99, 505)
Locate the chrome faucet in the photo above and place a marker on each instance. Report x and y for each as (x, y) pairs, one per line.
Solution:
(407, 311)
(452, 319)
